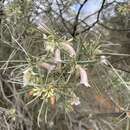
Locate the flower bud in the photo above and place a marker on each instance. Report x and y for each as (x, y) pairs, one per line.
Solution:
(44, 28)
(53, 102)
(30, 93)
(103, 60)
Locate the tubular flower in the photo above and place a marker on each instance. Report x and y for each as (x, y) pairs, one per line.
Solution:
(47, 66)
(26, 76)
(69, 49)
(57, 56)
(83, 77)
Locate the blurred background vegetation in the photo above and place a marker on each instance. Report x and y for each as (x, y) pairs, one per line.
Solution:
(64, 64)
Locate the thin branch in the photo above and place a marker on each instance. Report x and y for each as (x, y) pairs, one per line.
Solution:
(61, 16)
(97, 19)
(77, 18)
(94, 13)
(101, 115)
(112, 29)
(115, 54)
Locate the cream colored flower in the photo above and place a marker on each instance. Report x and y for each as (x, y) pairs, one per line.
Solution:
(27, 76)
(57, 56)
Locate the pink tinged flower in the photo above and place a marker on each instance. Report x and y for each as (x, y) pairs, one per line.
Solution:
(69, 49)
(47, 66)
(83, 77)
(57, 56)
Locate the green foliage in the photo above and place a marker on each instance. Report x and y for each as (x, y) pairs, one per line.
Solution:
(49, 78)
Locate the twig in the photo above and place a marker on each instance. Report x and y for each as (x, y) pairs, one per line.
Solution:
(97, 19)
(77, 18)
